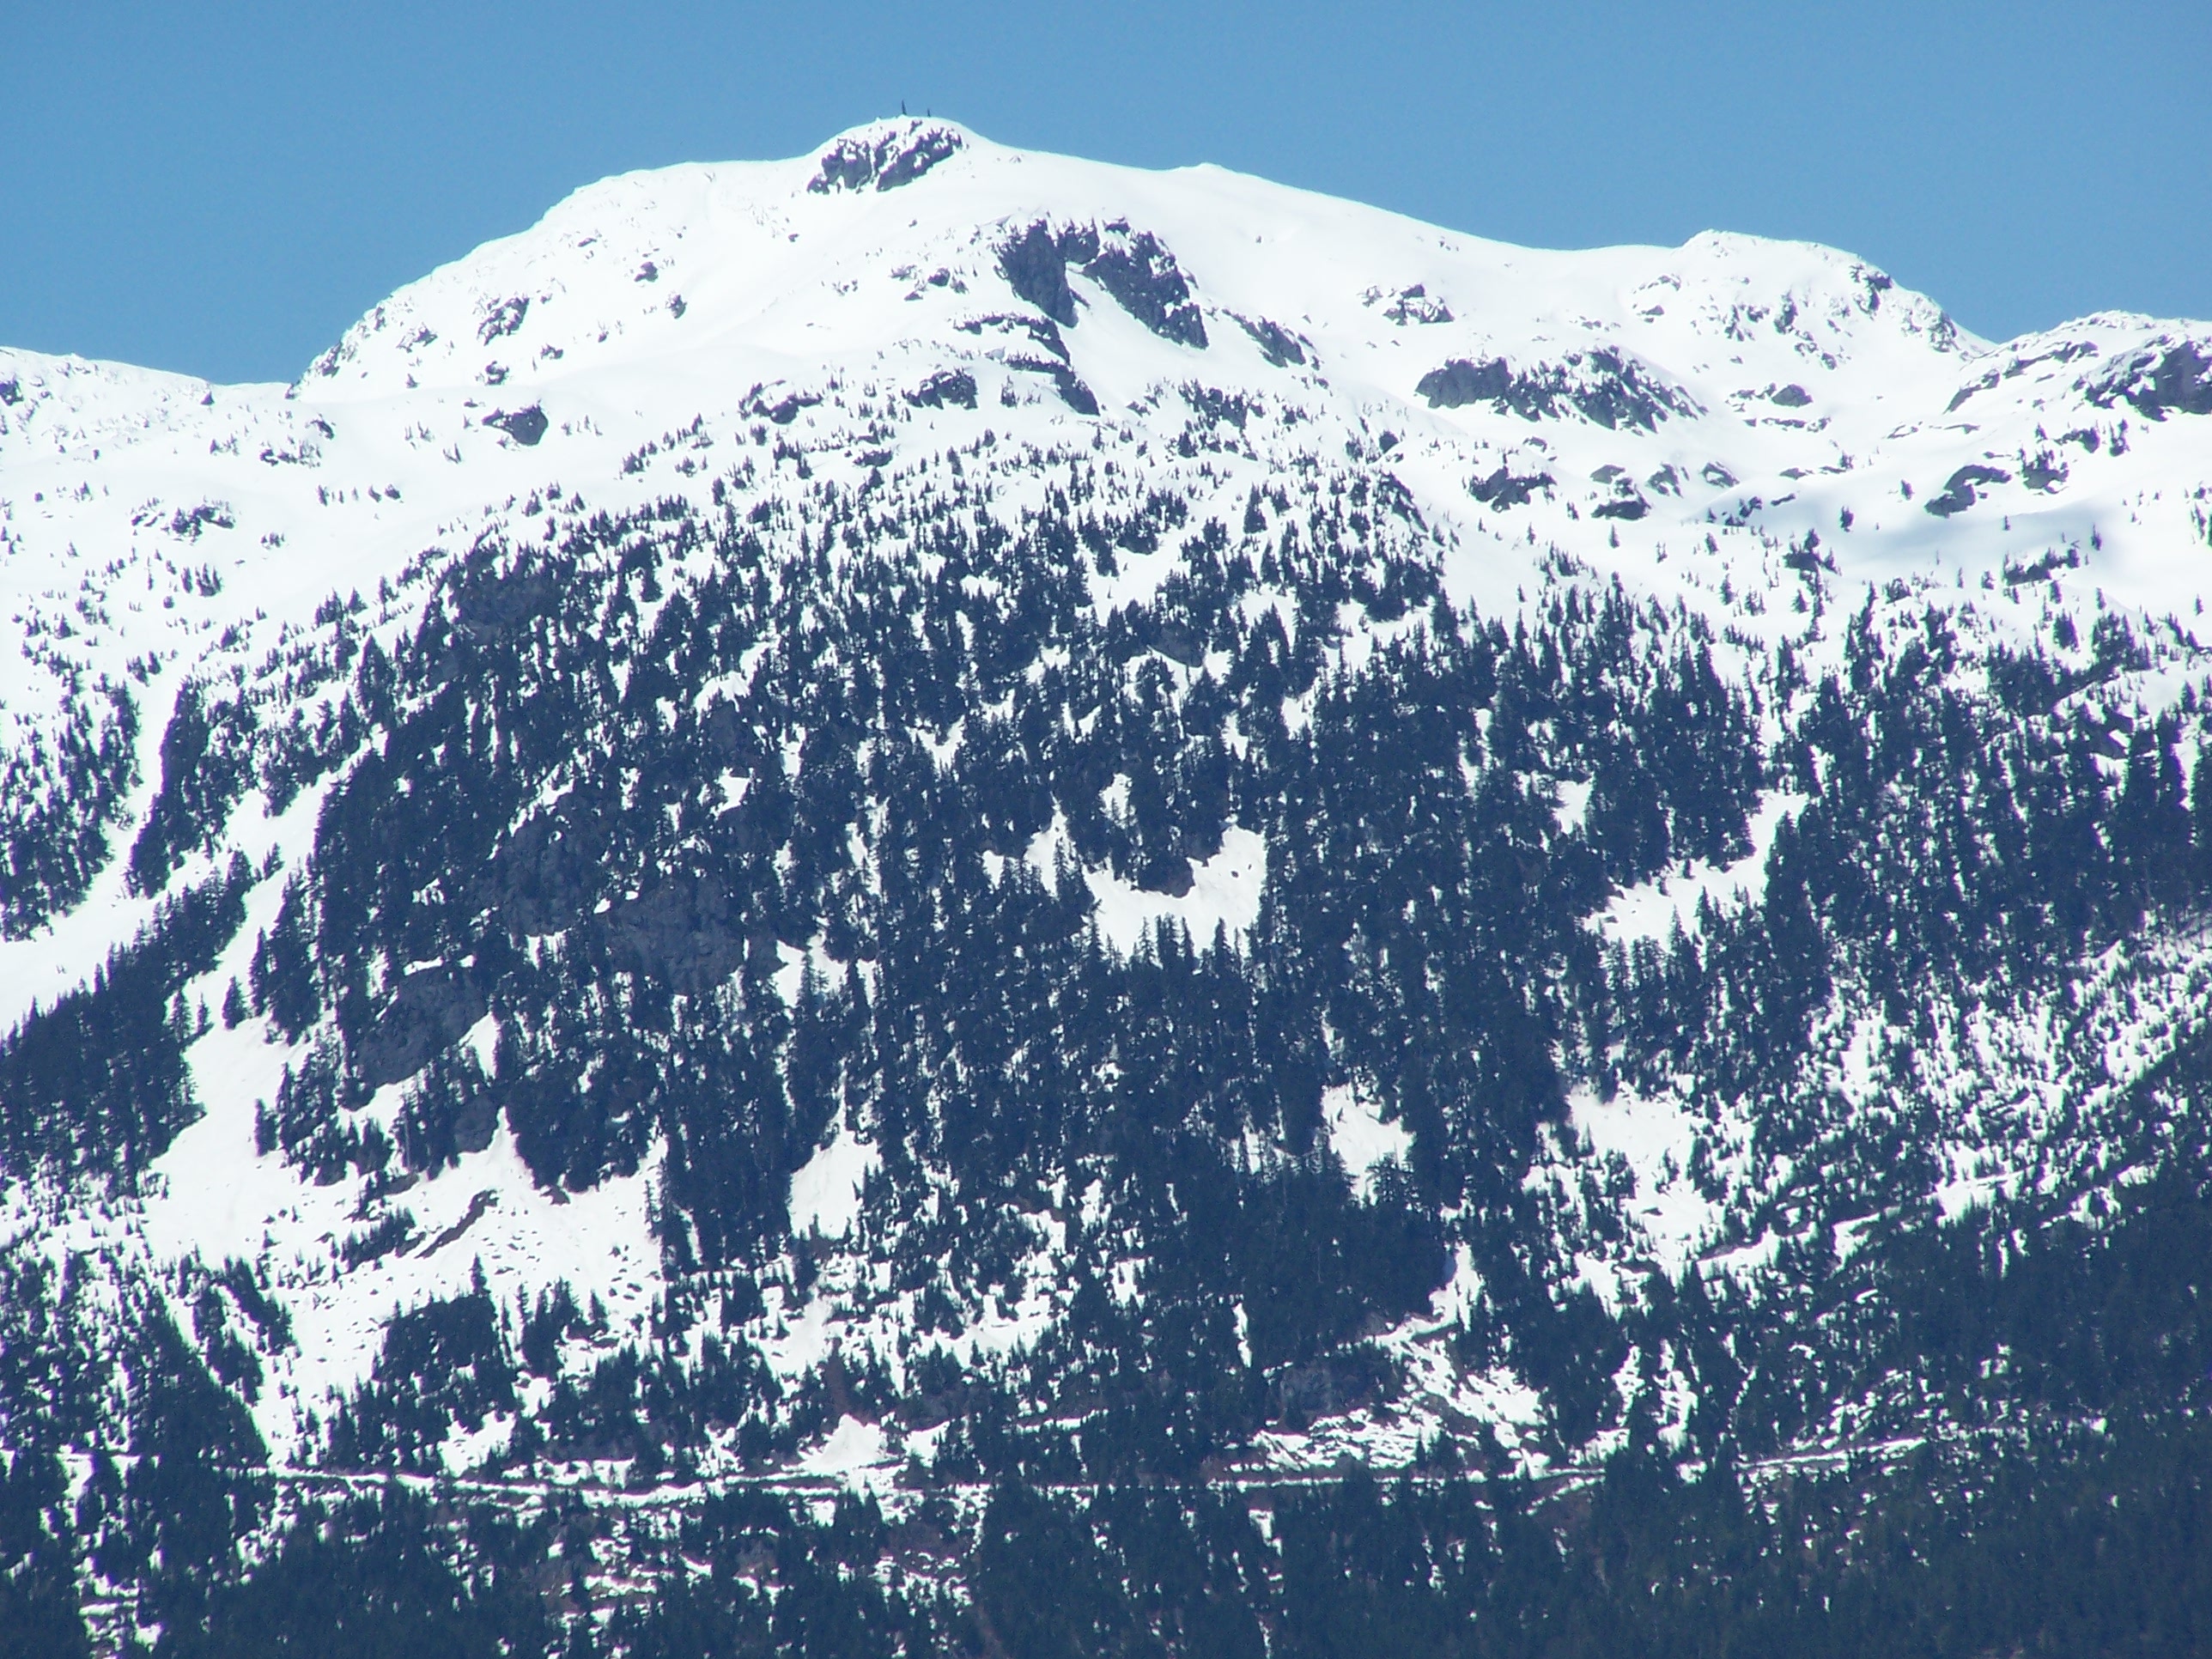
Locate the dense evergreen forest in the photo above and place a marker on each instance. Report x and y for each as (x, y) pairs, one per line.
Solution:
(531, 818)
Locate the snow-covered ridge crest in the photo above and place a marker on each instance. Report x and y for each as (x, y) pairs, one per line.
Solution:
(1730, 408)
(744, 244)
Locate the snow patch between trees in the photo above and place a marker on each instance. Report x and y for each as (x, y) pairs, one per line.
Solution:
(853, 1447)
(1225, 892)
(1362, 1141)
(1650, 909)
(825, 1191)
(1656, 1139)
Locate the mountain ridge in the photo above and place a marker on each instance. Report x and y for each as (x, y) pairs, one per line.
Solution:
(923, 822)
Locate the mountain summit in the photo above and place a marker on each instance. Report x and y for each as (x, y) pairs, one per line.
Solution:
(934, 873)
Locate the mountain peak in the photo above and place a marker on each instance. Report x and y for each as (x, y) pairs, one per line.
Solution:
(944, 819)
(884, 155)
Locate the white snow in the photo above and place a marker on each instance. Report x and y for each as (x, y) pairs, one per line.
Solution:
(1653, 909)
(1656, 1139)
(1461, 1294)
(1743, 1261)
(852, 1447)
(1573, 805)
(212, 1196)
(1224, 894)
(1359, 1137)
(825, 1191)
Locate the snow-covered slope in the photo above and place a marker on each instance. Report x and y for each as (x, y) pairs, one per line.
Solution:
(1714, 402)
(1731, 371)
(1754, 434)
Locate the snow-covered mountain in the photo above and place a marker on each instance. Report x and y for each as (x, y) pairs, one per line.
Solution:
(818, 794)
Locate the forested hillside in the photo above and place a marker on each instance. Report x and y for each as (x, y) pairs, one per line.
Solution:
(936, 900)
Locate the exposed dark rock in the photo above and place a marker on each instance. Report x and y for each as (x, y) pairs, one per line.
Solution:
(925, 152)
(1073, 392)
(1142, 275)
(431, 1009)
(1040, 330)
(687, 931)
(947, 387)
(490, 605)
(2021, 363)
(1169, 874)
(482, 1202)
(1601, 386)
(1324, 1388)
(1417, 305)
(1037, 270)
(544, 877)
(787, 409)
(1958, 489)
(1789, 397)
(1277, 343)
(1625, 502)
(1133, 266)
(1987, 382)
(2166, 378)
(525, 426)
(2065, 353)
(1460, 383)
(1502, 489)
(1174, 641)
(891, 157)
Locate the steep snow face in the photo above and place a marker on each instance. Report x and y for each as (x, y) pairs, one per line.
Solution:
(1734, 425)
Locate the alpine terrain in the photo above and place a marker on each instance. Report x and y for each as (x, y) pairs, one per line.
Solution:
(935, 900)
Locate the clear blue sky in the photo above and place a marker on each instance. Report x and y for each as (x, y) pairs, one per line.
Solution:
(221, 188)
